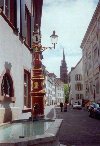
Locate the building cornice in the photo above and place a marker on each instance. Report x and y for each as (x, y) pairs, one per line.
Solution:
(92, 22)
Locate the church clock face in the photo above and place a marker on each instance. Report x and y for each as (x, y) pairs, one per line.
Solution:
(36, 38)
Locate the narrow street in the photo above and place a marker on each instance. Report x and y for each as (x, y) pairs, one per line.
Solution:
(78, 129)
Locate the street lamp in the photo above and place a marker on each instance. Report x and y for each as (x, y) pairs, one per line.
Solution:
(38, 92)
(54, 39)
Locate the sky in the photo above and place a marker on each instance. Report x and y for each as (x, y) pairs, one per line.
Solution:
(70, 20)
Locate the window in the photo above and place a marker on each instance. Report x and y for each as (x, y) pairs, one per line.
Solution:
(79, 87)
(11, 11)
(95, 53)
(97, 85)
(2, 4)
(89, 61)
(91, 87)
(27, 87)
(78, 77)
(79, 96)
(85, 67)
(7, 8)
(7, 86)
(28, 23)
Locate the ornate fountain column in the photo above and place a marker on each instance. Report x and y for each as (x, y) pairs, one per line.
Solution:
(38, 92)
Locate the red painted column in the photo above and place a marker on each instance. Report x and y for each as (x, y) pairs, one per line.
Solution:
(38, 92)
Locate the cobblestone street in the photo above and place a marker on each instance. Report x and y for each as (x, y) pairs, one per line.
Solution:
(78, 129)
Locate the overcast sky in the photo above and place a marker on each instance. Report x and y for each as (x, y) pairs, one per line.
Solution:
(70, 20)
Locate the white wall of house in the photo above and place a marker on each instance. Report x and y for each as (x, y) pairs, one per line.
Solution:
(59, 93)
(54, 90)
(49, 84)
(74, 92)
(15, 53)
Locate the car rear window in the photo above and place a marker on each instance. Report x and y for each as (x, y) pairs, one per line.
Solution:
(97, 105)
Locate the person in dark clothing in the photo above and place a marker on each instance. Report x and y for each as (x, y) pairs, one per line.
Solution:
(78, 103)
(61, 106)
(65, 107)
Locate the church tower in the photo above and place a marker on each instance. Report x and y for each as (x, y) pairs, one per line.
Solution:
(63, 70)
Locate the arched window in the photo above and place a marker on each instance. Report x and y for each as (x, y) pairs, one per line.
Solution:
(7, 86)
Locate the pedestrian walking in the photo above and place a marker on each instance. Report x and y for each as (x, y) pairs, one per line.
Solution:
(61, 106)
(65, 107)
(78, 103)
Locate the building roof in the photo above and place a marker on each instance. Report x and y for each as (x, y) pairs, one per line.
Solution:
(76, 65)
(58, 81)
(52, 75)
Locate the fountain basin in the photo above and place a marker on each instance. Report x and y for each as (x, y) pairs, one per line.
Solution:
(29, 133)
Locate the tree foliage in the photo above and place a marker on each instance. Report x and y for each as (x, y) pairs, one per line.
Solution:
(66, 92)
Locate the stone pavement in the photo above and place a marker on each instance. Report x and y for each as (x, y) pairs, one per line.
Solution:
(49, 112)
(78, 129)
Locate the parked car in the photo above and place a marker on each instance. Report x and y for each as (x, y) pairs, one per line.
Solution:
(94, 110)
(77, 105)
(93, 104)
(90, 106)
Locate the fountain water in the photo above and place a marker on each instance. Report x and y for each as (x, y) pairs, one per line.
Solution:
(29, 133)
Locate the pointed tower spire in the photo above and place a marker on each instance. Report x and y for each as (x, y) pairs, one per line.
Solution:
(63, 55)
(63, 70)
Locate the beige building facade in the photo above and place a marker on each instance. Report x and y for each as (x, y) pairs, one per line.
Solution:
(91, 58)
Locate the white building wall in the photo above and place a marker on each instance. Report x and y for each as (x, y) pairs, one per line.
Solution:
(59, 93)
(16, 53)
(53, 90)
(48, 83)
(50, 90)
(77, 70)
